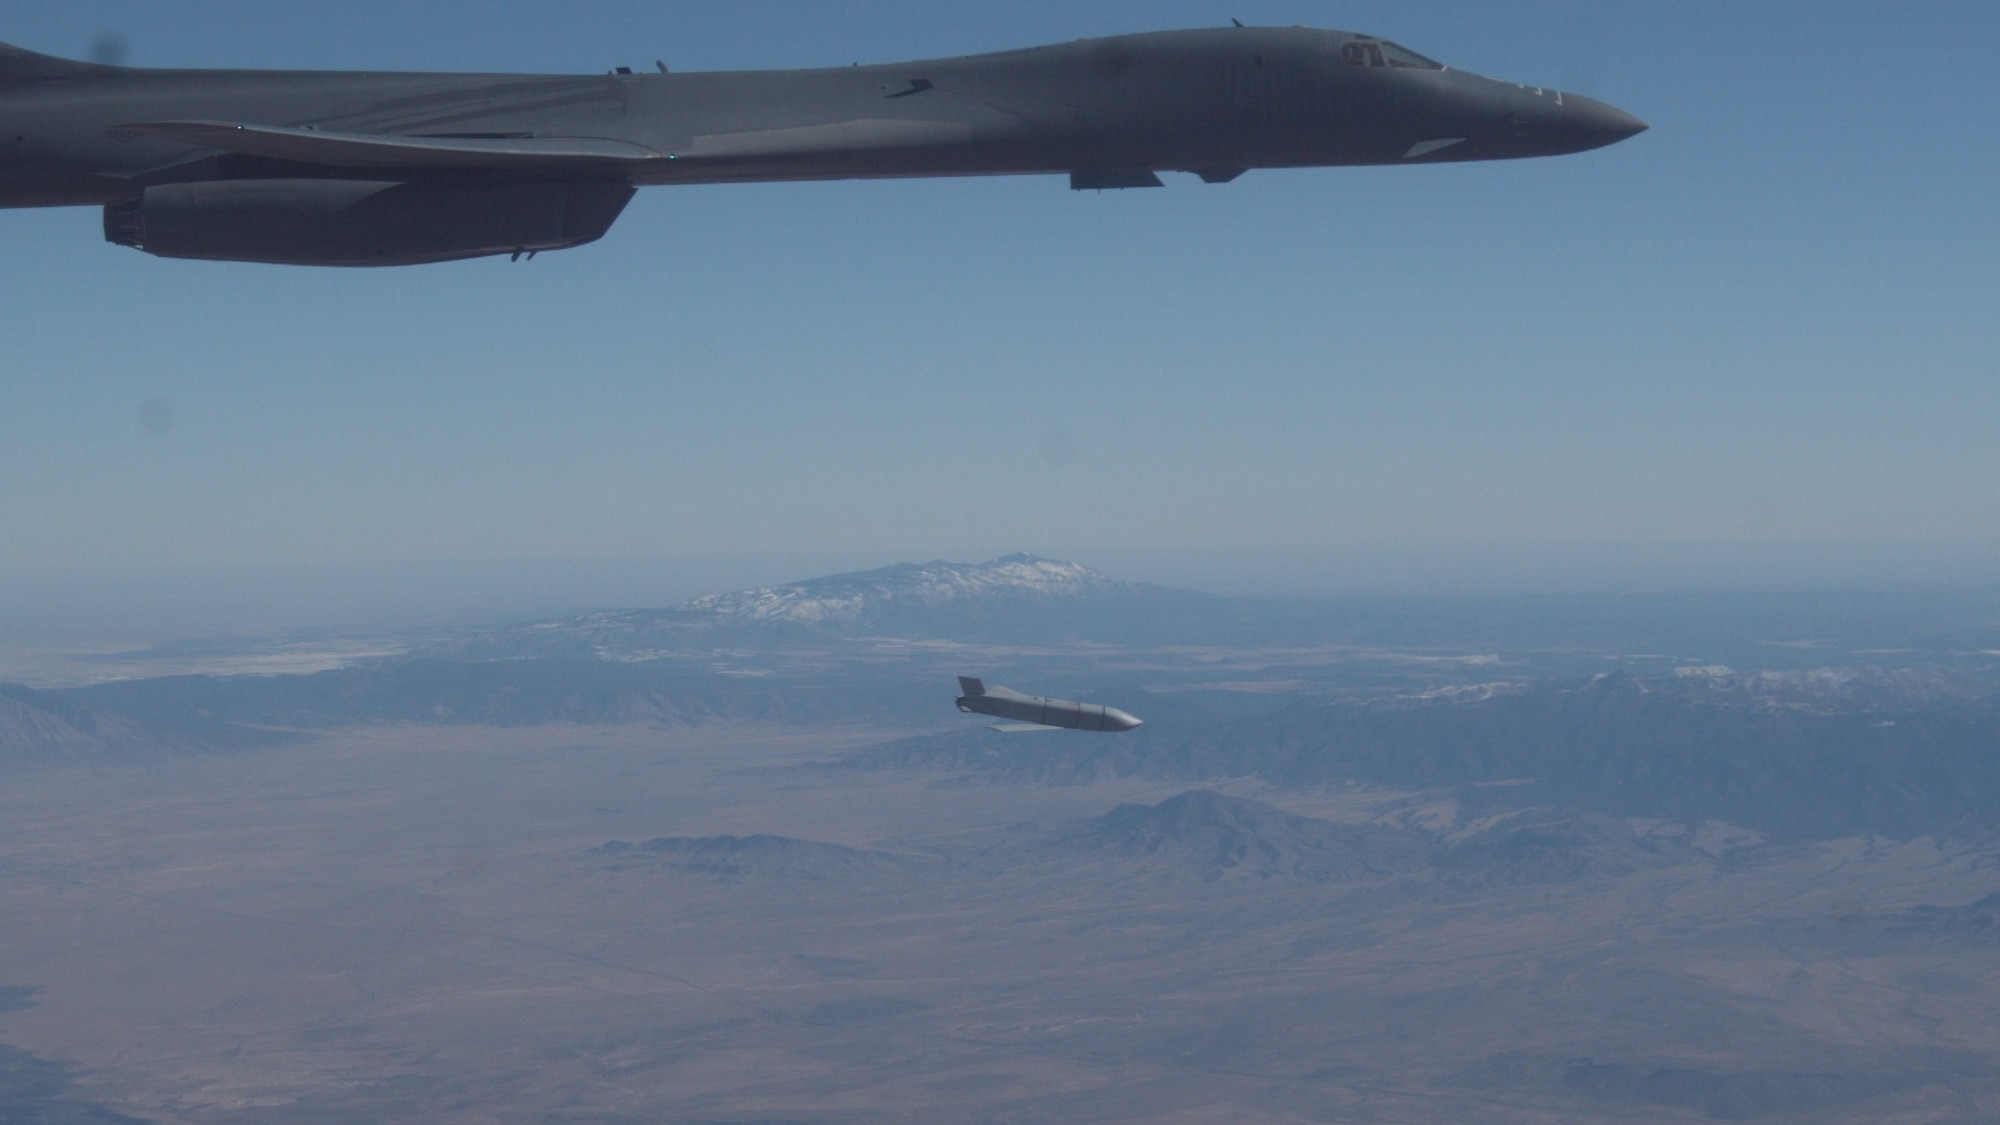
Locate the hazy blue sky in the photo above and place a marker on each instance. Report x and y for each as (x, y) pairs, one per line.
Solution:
(1773, 318)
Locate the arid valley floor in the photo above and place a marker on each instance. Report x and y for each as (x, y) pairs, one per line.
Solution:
(428, 925)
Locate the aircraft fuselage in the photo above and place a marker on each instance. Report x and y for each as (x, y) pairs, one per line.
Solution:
(1110, 112)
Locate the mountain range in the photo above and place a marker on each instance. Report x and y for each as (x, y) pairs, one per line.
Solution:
(37, 726)
(1016, 598)
(1901, 750)
(1204, 837)
(1809, 764)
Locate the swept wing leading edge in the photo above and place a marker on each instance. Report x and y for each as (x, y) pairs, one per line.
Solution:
(377, 150)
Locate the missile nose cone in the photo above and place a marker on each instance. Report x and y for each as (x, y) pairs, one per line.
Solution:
(1117, 720)
(1588, 123)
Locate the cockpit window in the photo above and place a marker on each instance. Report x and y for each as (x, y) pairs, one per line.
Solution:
(1379, 53)
(1363, 54)
(1408, 59)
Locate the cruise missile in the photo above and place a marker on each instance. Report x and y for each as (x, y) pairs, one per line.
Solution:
(1031, 712)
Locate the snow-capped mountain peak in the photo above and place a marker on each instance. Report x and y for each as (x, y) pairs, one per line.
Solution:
(847, 597)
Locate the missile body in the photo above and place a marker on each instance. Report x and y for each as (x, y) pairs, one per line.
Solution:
(1030, 713)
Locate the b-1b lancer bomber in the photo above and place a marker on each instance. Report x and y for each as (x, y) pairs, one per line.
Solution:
(368, 169)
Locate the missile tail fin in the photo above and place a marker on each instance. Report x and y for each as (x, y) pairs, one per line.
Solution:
(971, 687)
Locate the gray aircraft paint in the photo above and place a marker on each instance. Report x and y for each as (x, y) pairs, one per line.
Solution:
(469, 165)
(1033, 713)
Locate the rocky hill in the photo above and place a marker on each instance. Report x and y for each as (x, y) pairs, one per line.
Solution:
(1197, 837)
(1215, 837)
(39, 728)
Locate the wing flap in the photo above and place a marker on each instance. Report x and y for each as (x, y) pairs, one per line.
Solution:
(376, 150)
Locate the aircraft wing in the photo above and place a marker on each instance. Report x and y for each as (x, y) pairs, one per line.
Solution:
(377, 150)
(17, 63)
(1019, 728)
(862, 134)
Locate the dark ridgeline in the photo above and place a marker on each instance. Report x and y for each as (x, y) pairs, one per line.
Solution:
(37, 725)
(1976, 923)
(62, 728)
(1212, 837)
(1200, 838)
(1681, 747)
(1932, 930)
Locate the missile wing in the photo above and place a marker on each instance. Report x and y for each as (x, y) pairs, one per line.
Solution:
(1024, 713)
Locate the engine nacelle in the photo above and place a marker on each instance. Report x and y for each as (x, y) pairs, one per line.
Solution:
(362, 222)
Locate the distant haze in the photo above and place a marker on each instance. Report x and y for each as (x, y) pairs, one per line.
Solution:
(149, 605)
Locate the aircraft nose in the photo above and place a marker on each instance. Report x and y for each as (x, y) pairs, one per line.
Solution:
(1588, 123)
